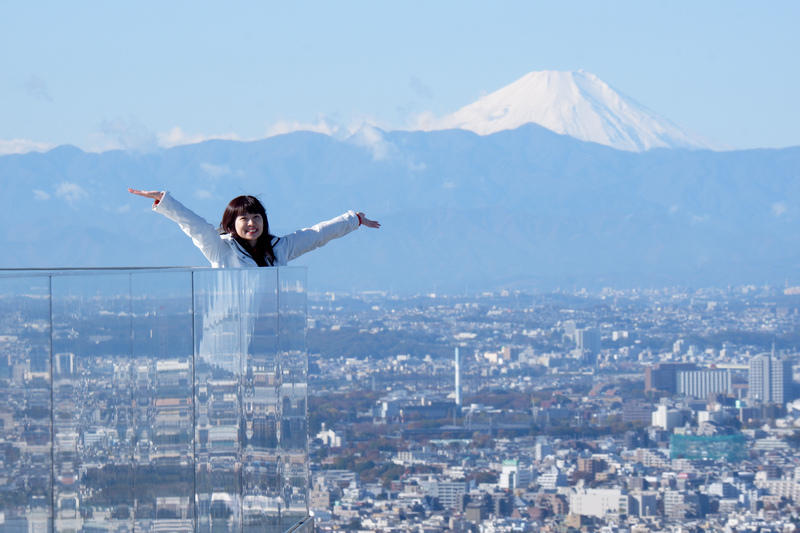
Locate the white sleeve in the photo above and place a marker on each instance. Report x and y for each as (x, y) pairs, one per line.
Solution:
(296, 244)
(203, 234)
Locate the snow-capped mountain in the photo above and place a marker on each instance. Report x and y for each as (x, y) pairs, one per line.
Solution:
(577, 104)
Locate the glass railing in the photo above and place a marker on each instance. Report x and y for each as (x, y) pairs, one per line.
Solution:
(153, 400)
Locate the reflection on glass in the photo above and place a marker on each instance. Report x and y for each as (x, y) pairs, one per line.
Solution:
(25, 408)
(92, 425)
(293, 395)
(261, 485)
(218, 407)
(161, 369)
(153, 400)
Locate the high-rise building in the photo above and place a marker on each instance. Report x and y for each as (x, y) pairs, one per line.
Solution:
(702, 383)
(587, 340)
(770, 379)
(664, 376)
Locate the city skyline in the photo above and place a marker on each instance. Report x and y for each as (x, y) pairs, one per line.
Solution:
(115, 382)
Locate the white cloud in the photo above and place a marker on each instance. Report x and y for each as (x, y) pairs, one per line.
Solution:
(699, 219)
(673, 209)
(371, 138)
(130, 134)
(100, 142)
(177, 137)
(71, 192)
(23, 146)
(778, 208)
(121, 134)
(40, 195)
(323, 125)
(203, 194)
(215, 171)
(123, 209)
(424, 121)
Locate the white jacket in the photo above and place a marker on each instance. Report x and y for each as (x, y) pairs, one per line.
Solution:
(223, 251)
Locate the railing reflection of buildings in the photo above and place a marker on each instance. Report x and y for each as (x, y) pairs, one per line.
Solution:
(153, 400)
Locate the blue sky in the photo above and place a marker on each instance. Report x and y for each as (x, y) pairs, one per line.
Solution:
(102, 75)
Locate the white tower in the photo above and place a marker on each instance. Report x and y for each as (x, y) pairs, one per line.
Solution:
(458, 378)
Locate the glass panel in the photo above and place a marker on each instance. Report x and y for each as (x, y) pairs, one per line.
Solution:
(25, 408)
(262, 488)
(293, 395)
(153, 400)
(162, 376)
(219, 367)
(93, 434)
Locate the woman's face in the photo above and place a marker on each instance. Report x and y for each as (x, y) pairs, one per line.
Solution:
(249, 227)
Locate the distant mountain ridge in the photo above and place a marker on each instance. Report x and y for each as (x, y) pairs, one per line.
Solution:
(577, 104)
(519, 209)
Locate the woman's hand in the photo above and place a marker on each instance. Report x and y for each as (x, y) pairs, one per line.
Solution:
(367, 222)
(155, 195)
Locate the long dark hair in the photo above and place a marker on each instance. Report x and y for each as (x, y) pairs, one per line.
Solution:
(249, 205)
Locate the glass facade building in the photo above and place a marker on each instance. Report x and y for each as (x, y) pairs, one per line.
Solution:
(153, 400)
(731, 448)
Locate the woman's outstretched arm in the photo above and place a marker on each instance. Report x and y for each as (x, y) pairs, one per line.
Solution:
(364, 221)
(204, 235)
(155, 195)
(295, 244)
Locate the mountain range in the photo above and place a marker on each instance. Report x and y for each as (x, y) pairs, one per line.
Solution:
(523, 208)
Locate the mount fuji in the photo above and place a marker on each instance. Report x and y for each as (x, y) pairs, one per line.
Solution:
(577, 104)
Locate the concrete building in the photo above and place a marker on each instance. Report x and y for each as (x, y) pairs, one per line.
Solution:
(643, 503)
(681, 504)
(770, 379)
(542, 449)
(553, 479)
(599, 502)
(664, 376)
(637, 411)
(512, 476)
(666, 418)
(449, 494)
(702, 383)
(587, 340)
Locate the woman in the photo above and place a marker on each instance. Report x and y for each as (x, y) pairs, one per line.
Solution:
(243, 238)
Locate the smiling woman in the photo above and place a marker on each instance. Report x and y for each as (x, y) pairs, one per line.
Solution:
(245, 219)
(243, 238)
(249, 227)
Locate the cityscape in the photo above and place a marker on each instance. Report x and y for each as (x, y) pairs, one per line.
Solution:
(642, 410)
(634, 411)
